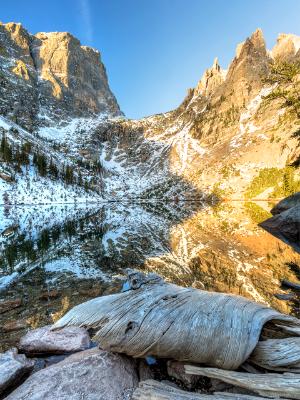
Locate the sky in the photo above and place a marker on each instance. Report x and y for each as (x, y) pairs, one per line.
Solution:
(154, 50)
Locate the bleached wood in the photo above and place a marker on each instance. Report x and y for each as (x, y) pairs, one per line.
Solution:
(278, 354)
(164, 320)
(269, 385)
(154, 390)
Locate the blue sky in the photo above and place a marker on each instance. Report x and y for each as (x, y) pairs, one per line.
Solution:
(154, 50)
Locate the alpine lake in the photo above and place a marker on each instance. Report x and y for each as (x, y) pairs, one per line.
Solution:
(53, 257)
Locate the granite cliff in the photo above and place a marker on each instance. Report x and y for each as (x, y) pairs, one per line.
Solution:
(221, 138)
(50, 76)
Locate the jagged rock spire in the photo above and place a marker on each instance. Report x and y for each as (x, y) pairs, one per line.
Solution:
(286, 47)
(255, 42)
(211, 78)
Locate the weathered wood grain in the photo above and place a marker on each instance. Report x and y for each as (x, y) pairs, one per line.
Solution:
(164, 320)
(154, 390)
(278, 354)
(269, 385)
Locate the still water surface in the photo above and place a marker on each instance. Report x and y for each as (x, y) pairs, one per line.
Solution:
(53, 257)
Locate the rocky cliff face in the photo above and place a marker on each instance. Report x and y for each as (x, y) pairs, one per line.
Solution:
(286, 48)
(222, 137)
(219, 140)
(50, 77)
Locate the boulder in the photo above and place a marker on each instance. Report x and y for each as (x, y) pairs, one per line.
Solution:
(286, 204)
(285, 226)
(90, 375)
(45, 341)
(13, 367)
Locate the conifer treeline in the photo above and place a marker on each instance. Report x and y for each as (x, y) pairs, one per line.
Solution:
(20, 156)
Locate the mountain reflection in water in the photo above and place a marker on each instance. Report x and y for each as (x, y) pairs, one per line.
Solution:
(53, 257)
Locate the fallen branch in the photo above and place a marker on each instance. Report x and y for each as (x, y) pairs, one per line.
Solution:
(153, 390)
(268, 385)
(292, 285)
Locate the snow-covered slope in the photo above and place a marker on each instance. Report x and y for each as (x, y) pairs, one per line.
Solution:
(223, 139)
(24, 185)
(215, 144)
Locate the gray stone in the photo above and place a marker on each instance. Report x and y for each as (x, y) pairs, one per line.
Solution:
(45, 341)
(90, 375)
(13, 367)
(285, 226)
(176, 370)
(286, 204)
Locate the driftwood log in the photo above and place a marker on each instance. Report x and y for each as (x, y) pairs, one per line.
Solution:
(153, 390)
(268, 385)
(164, 320)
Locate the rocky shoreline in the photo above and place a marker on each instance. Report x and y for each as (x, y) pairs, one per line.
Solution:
(158, 341)
(66, 364)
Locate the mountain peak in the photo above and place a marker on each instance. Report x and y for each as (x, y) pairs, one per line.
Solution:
(63, 78)
(257, 38)
(255, 42)
(211, 78)
(286, 47)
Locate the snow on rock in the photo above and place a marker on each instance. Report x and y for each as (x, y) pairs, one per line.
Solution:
(28, 186)
(246, 125)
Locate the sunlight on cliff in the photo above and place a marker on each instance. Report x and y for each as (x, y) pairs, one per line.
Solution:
(21, 70)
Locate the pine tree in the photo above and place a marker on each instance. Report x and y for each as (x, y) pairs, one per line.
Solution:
(53, 170)
(288, 182)
(69, 174)
(284, 77)
(41, 163)
(6, 150)
(79, 180)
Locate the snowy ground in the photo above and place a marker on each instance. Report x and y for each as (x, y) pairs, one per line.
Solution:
(29, 187)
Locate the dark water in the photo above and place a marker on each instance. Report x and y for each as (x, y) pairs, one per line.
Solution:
(53, 257)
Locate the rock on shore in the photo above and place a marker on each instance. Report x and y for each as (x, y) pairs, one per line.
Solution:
(13, 367)
(45, 341)
(91, 375)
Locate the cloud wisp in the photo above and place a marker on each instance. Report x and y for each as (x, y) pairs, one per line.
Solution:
(85, 13)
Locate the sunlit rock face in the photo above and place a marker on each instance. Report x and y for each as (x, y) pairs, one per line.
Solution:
(286, 48)
(50, 76)
(218, 140)
(211, 79)
(18, 77)
(72, 77)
